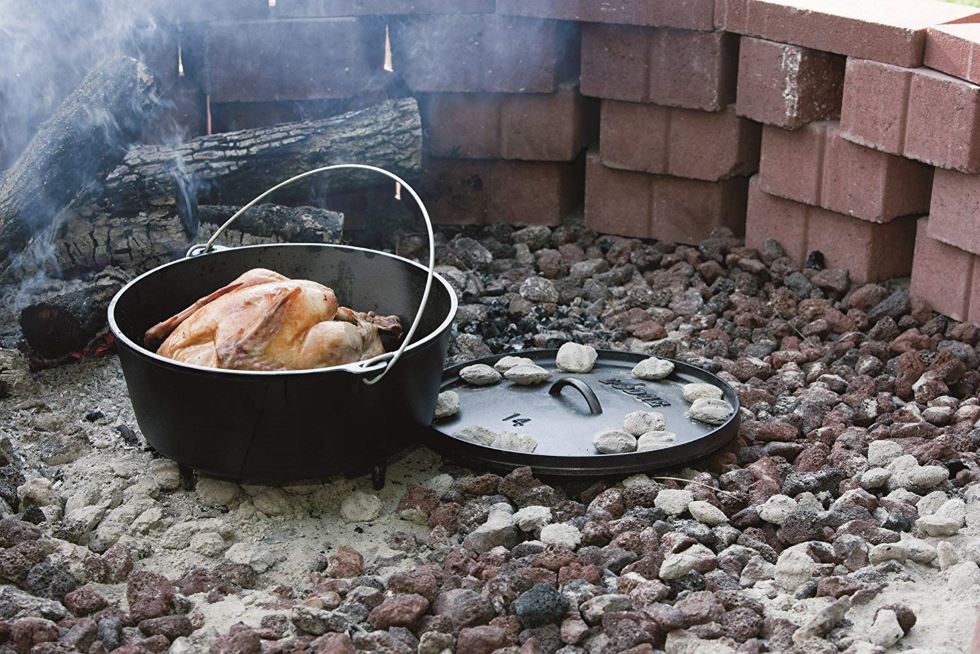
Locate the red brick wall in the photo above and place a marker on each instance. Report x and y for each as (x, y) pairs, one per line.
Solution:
(830, 125)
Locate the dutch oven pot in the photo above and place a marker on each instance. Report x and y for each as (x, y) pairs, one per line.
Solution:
(277, 427)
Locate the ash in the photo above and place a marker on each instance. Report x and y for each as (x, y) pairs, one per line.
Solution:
(844, 518)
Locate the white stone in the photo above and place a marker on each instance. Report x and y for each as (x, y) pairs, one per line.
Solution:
(676, 566)
(165, 474)
(478, 435)
(38, 492)
(711, 411)
(776, 509)
(875, 478)
(920, 551)
(885, 631)
(881, 453)
(532, 518)
(655, 440)
(699, 391)
(447, 405)
(707, 513)
(672, 501)
(506, 363)
(946, 521)
(963, 577)
(653, 369)
(947, 555)
(562, 535)
(440, 483)
(931, 503)
(888, 552)
(794, 567)
(527, 375)
(259, 557)
(360, 507)
(479, 374)
(638, 423)
(928, 476)
(270, 501)
(515, 442)
(573, 357)
(208, 543)
(216, 492)
(614, 441)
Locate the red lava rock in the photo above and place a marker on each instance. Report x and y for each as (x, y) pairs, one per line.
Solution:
(418, 581)
(149, 595)
(445, 516)
(118, 563)
(417, 503)
(398, 611)
(769, 431)
(85, 601)
(17, 561)
(240, 639)
(574, 570)
(333, 644)
(486, 484)
(25, 633)
(13, 531)
(345, 563)
(481, 640)
(170, 626)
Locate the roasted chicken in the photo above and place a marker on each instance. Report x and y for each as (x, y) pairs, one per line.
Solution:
(265, 321)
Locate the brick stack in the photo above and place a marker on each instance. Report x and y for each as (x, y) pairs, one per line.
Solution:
(673, 156)
(505, 125)
(842, 171)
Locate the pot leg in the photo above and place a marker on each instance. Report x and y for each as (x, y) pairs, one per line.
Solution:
(378, 473)
(186, 476)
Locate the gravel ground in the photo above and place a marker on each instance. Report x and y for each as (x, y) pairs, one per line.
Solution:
(846, 517)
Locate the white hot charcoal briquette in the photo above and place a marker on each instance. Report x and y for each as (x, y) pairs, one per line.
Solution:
(614, 441)
(653, 369)
(479, 374)
(694, 392)
(573, 357)
(638, 423)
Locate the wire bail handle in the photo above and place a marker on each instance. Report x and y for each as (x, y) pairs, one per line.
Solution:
(385, 362)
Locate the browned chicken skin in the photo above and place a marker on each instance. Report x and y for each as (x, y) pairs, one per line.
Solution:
(265, 321)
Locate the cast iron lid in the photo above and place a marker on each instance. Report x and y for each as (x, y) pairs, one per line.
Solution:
(563, 416)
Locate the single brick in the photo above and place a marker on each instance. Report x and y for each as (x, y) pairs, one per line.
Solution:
(816, 166)
(943, 275)
(703, 145)
(890, 31)
(943, 123)
(472, 191)
(484, 53)
(292, 59)
(531, 127)
(788, 85)
(954, 217)
(955, 50)
(875, 104)
(870, 251)
(306, 8)
(676, 68)
(658, 206)
(682, 14)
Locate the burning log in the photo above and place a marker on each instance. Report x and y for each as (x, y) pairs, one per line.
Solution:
(86, 137)
(69, 320)
(148, 208)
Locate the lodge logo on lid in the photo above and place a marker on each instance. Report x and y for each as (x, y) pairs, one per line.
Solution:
(638, 390)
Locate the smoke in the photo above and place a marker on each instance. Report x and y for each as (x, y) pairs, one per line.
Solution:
(48, 47)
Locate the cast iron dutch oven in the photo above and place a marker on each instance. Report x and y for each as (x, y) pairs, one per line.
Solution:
(296, 425)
